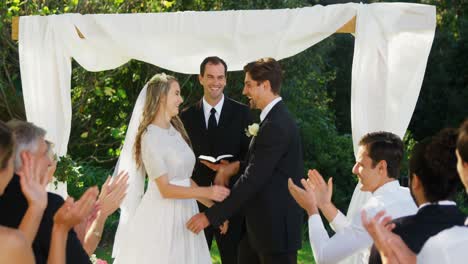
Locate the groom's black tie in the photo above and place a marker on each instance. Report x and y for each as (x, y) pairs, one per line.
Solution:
(212, 121)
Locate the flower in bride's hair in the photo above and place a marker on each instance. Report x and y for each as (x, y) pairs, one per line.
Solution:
(252, 130)
(162, 77)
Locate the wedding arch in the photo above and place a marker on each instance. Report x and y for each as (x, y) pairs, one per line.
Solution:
(392, 45)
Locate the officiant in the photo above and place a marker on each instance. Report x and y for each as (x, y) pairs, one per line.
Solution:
(217, 126)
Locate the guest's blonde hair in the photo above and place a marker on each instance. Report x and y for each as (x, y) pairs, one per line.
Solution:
(156, 94)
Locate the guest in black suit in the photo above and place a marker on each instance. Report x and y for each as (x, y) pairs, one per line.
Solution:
(433, 183)
(273, 220)
(215, 134)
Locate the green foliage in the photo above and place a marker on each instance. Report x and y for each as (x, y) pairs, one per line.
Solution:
(66, 168)
(305, 90)
(444, 93)
(84, 174)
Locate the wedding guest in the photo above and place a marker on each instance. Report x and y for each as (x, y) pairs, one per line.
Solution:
(433, 184)
(112, 193)
(15, 248)
(31, 146)
(378, 168)
(448, 246)
(16, 244)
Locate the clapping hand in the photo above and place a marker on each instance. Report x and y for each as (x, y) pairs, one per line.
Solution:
(33, 182)
(113, 192)
(304, 197)
(391, 247)
(323, 191)
(82, 228)
(72, 213)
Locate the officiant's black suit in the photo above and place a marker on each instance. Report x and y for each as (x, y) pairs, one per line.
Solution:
(227, 138)
(13, 206)
(416, 229)
(273, 220)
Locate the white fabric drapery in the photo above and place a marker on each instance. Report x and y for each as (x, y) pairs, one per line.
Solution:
(391, 50)
(392, 46)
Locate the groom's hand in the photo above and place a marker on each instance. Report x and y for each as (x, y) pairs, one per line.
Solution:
(197, 223)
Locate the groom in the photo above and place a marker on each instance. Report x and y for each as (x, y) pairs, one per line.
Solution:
(273, 220)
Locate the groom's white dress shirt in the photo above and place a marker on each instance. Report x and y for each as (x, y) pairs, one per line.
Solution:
(351, 237)
(268, 108)
(449, 246)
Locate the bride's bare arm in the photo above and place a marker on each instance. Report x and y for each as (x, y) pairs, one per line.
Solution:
(171, 191)
(206, 202)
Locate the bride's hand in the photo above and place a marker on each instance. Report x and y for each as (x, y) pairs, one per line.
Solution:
(217, 193)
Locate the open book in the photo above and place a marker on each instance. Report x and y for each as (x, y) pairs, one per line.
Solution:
(215, 160)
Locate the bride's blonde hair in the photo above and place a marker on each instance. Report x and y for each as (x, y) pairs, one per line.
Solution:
(156, 94)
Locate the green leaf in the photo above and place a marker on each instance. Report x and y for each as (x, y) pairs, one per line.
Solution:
(109, 91)
(121, 93)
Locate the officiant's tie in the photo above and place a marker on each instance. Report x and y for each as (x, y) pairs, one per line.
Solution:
(212, 120)
(211, 129)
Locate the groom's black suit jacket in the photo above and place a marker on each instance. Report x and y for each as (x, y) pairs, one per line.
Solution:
(273, 218)
(13, 206)
(228, 138)
(416, 229)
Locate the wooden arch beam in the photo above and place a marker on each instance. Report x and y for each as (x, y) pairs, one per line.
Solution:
(349, 27)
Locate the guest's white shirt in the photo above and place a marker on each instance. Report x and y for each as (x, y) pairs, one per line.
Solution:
(449, 246)
(207, 110)
(351, 237)
(268, 108)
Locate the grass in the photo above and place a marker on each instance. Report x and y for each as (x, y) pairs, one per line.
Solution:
(304, 256)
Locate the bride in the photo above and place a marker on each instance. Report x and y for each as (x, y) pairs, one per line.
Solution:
(152, 225)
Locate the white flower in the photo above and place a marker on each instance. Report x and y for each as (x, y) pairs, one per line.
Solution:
(93, 259)
(252, 130)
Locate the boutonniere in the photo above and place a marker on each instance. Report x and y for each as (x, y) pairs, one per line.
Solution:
(252, 130)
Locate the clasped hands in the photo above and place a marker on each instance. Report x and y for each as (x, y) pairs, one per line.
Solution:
(224, 171)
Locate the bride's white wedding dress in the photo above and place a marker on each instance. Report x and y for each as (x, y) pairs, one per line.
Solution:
(157, 232)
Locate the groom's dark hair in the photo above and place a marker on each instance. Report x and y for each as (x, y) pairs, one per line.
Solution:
(212, 60)
(384, 146)
(266, 69)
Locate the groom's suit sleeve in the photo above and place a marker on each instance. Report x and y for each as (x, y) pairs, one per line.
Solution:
(270, 145)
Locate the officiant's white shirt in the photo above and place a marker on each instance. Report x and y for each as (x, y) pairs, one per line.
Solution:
(207, 110)
(351, 237)
(449, 246)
